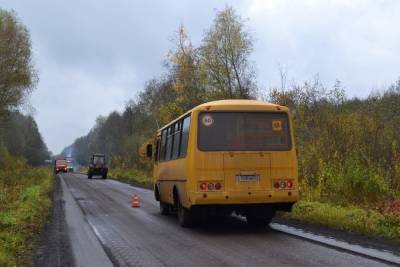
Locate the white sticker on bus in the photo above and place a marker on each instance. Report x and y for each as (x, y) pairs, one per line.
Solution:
(207, 120)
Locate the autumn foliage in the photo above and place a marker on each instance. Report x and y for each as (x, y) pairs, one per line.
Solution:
(348, 149)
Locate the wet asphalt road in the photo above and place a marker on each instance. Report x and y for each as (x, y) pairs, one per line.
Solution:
(143, 237)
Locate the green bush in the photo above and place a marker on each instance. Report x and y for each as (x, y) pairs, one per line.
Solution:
(348, 149)
(353, 219)
(351, 182)
(131, 175)
(24, 205)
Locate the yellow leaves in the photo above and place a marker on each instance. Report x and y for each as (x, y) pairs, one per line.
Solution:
(169, 111)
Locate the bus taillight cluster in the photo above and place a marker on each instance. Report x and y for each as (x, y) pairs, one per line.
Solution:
(283, 184)
(210, 186)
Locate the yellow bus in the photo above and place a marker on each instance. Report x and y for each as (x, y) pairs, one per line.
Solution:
(226, 156)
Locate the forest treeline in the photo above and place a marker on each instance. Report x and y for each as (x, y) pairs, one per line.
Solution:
(19, 134)
(348, 149)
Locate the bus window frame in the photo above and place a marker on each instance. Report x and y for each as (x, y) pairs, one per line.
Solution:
(188, 131)
(290, 145)
(163, 147)
(156, 154)
(170, 137)
(166, 129)
(177, 134)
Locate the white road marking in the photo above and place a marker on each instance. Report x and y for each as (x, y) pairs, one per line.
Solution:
(331, 241)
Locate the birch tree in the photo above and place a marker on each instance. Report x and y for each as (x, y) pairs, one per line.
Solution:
(225, 54)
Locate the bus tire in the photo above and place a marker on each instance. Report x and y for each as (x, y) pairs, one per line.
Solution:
(157, 193)
(164, 208)
(185, 216)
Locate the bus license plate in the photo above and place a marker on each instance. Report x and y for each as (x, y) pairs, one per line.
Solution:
(247, 178)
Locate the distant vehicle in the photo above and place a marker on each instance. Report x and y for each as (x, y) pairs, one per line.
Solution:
(60, 165)
(70, 167)
(227, 156)
(98, 166)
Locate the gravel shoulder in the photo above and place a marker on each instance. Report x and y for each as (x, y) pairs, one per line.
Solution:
(68, 239)
(54, 246)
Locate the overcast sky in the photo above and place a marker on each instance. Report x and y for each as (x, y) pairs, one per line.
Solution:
(93, 55)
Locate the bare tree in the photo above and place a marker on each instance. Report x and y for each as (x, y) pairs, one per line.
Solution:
(283, 72)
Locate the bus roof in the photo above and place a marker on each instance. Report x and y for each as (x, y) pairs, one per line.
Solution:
(238, 102)
(241, 104)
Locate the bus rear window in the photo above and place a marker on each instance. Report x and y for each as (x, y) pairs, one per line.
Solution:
(98, 160)
(243, 131)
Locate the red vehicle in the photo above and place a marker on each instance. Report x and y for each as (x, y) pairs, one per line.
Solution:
(60, 165)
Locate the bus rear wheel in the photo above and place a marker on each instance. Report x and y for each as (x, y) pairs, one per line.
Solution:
(164, 208)
(185, 216)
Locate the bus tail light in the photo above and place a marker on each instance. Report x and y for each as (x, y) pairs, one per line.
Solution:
(283, 184)
(218, 186)
(210, 186)
(203, 186)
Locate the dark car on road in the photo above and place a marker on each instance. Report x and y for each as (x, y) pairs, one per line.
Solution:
(98, 166)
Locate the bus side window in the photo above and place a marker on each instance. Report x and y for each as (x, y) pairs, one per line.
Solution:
(163, 143)
(185, 136)
(172, 132)
(177, 140)
(168, 146)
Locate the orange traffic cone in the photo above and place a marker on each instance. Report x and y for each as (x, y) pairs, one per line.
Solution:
(135, 202)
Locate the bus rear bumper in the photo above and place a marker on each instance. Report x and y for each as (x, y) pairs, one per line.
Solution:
(264, 209)
(240, 198)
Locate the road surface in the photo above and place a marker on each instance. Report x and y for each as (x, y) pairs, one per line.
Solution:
(105, 230)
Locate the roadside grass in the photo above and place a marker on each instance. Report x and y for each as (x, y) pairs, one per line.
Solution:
(131, 175)
(83, 169)
(347, 218)
(24, 206)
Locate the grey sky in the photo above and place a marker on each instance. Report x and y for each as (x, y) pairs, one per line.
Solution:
(93, 56)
